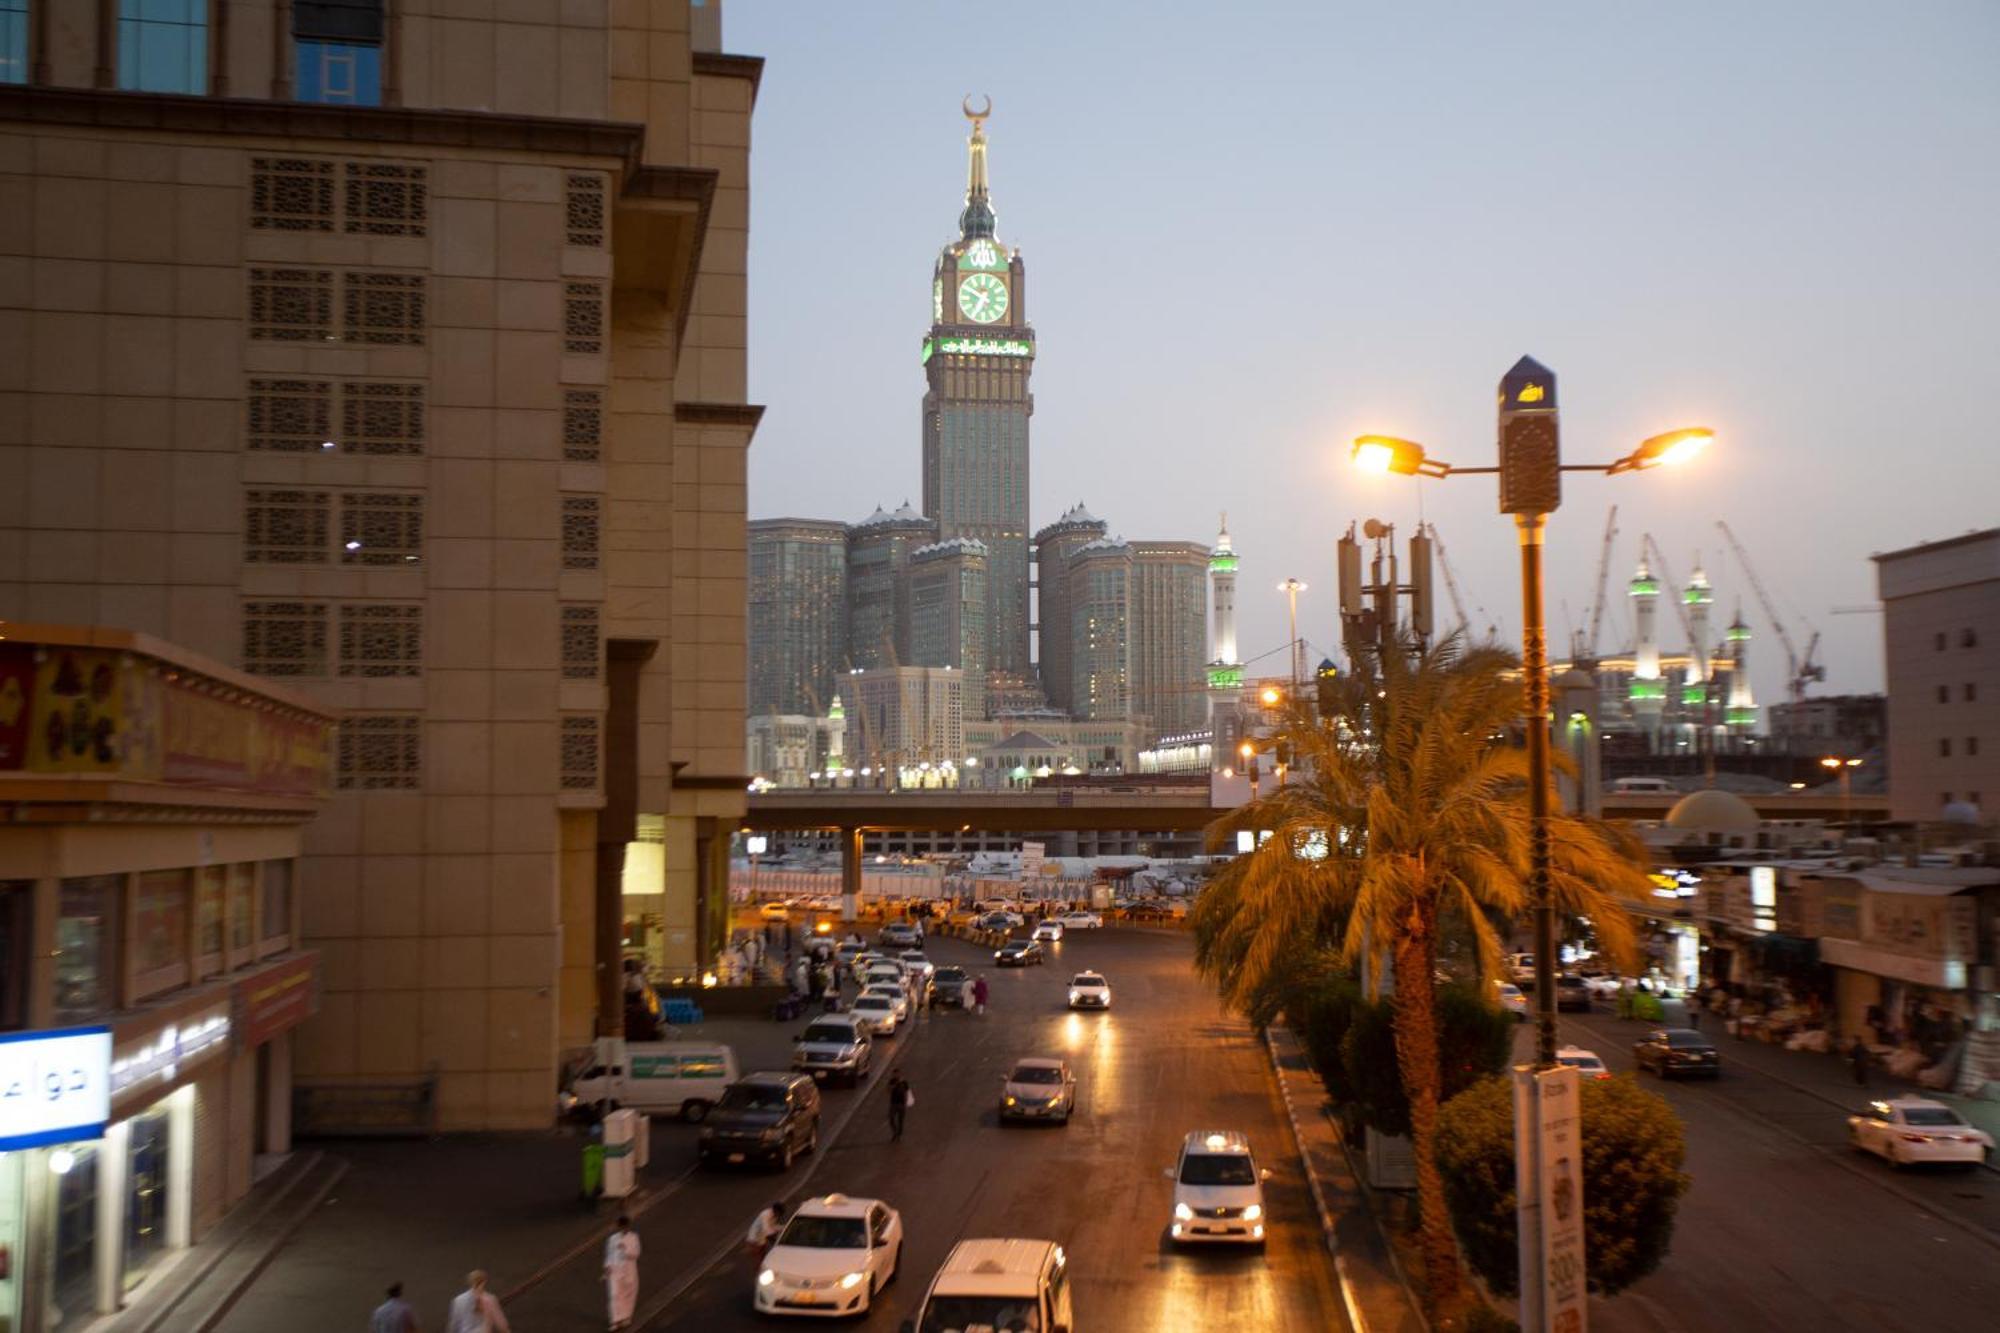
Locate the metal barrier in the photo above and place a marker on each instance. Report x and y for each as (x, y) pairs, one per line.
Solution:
(406, 1109)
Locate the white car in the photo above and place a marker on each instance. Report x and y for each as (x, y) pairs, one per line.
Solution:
(1586, 1063)
(1512, 1000)
(832, 1258)
(1604, 985)
(919, 965)
(1081, 921)
(878, 1011)
(1904, 1131)
(1218, 1190)
(1089, 990)
(1052, 931)
(895, 992)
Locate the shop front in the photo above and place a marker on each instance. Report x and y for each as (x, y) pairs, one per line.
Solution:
(55, 1104)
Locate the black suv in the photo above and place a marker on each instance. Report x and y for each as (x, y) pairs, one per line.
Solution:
(951, 988)
(1676, 1052)
(762, 1118)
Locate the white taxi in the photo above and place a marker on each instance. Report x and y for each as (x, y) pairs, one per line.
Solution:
(1218, 1190)
(831, 1259)
(1904, 1131)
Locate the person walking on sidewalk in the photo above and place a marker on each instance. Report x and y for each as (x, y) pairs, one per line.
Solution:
(979, 995)
(475, 1310)
(900, 1101)
(394, 1315)
(764, 1229)
(621, 1272)
(1857, 1055)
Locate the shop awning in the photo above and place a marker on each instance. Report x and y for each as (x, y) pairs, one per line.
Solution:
(1921, 882)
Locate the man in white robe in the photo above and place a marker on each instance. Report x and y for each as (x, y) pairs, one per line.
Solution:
(621, 1272)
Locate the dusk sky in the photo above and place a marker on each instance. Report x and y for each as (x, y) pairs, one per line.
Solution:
(1254, 231)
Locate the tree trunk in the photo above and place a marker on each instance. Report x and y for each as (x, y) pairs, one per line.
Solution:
(1417, 1060)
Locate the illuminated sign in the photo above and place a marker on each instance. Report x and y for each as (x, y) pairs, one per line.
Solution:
(161, 1058)
(1763, 898)
(982, 253)
(1222, 564)
(1533, 393)
(985, 347)
(55, 1087)
(1643, 688)
(1225, 677)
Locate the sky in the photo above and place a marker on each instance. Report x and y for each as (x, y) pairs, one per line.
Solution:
(1254, 231)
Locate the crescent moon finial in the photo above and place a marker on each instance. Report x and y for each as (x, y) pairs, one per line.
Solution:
(976, 116)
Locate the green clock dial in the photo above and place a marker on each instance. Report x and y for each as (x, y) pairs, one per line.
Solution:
(937, 300)
(982, 298)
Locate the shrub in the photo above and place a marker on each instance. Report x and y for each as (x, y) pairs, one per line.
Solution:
(1633, 1147)
(1475, 1040)
(1322, 1012)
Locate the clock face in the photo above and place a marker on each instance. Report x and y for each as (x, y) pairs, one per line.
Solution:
(937, 300)
(982, 298)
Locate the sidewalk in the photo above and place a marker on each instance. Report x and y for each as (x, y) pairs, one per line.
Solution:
(1378, 1300)
(1829, 1077)
(427, 1211)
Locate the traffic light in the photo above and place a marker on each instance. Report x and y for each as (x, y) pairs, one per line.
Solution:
(1327, 679)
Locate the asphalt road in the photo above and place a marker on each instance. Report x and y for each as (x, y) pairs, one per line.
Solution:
(1785, 1226)
(1163, 1061)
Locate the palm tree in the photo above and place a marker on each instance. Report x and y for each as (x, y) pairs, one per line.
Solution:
(1408, 813)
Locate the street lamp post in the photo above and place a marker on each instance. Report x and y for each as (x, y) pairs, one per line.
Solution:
(1530, 471)
(1844, 767)
(1292, 588)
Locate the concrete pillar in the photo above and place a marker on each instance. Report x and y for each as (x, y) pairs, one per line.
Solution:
(277, 1094)
(114, 1164)
(180, 1167)
(850, 873)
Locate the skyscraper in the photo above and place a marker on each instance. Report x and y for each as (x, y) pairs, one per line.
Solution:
(798, 613)
(1100, 581)
(1168, 611)
(948, 612)
(1054, 545)
(878, 585)
(977, 360)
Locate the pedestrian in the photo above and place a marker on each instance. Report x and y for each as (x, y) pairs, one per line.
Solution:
(1693, 1007)
(394, 1315)
(621, 1272)
(764, 1229)
(901, 1099)
(475, 1310)
(1857, 1055)
(979, 995)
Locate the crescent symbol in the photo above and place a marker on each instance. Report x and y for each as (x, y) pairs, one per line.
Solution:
(970, 114)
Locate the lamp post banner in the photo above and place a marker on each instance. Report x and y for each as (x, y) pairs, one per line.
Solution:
(1559, 1169)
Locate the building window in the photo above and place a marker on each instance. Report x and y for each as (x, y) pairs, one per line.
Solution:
(1967, 639)
(1971, 691)
(387, 199)
(242, 902)
(14, 41)
(583, 209)
(160, 944)
(579, 642)
(17, 944)
(339, 46)
(1940, 640)
(381, 528)
(289, 416)
(1944, 694)
(87, 945)
(381, 417)
(291, 194)
(163, 46)
(211, 902)
(277, 901)
(1944, 798)
(382, 752)
(579, 753)
(583, 425)
(1944, 747)
(285, 527)
(284, 638)
(1972, 746)
(580, 514)
(583, 318)
(381, 639)
(383, 308)
(149, 1191)
(291, 304)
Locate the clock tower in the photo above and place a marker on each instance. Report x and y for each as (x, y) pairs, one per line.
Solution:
(978, 356)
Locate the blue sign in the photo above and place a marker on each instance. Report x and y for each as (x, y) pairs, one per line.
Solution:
(55, 1086)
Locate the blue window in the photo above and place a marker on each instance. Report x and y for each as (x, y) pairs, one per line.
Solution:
(344, 72)
(163, 46)
(13, 41)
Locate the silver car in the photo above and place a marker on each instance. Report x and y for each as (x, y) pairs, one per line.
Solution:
(1039, 1088)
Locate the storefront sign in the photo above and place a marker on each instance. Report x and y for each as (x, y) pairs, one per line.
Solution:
(224, 740)
(274, 1000)
(159, 1058)
(1764, 898)
(17, 687)
(55, 1087)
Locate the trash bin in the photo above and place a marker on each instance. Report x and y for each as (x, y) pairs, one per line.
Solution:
(619, 1166)
(642, 1140)
(593, 1169)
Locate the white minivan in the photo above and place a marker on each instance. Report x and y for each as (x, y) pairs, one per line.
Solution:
(998, 1284)
(1218, 1190)
(656, 1077)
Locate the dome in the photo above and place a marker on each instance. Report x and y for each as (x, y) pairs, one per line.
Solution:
(1713, 811)
(1960, 812)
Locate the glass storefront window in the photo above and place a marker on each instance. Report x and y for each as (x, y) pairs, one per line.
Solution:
(277, 899)
(147, 1198)
(160, 943)
(76, 1239)
(17, 904)
(211, 889)
(87, 946)
(242, 902)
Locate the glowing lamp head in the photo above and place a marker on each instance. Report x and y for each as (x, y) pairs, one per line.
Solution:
(1246, 750)
(1271, 696)
(1386, 453)
(1668, 450)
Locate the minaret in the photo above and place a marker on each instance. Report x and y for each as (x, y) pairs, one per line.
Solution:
(1222, 579)
(1741, 714)
(1699, 597)
(1648, 693)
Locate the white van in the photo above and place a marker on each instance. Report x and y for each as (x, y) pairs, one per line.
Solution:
(1004, 1285)
(656, 1077)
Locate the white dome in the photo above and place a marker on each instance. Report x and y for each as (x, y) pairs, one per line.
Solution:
(1713, 811)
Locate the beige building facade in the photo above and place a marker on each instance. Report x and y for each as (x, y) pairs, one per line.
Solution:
(1941, 649)
(432, 409)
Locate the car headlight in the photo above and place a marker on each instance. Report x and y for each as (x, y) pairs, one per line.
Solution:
(766, 1278)
(1253, 1212)
(1183, 1213)
(852, 1280)
(1075, 995)
(771, 1135)
(1011, 1100)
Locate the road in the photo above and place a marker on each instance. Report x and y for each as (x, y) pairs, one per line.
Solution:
(1164, 1060)
(1786, 1227)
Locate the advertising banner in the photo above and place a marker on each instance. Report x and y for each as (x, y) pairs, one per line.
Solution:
(55, 1086)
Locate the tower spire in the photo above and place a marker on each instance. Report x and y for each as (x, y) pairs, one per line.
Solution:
(977, 219)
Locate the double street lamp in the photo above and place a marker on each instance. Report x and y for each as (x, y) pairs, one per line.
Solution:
(1530, 471)
(1844, 767)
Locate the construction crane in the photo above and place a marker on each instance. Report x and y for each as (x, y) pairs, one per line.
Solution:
(1450, 580)
(1585, 650)
(1801, 671)
(1673, 587)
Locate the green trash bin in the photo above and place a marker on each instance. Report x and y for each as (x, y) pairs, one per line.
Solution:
(593, 1170)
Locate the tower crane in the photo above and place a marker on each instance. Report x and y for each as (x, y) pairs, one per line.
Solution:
(1801, 671)
(1586, 650)
(1673, 587)
(1450, 580)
